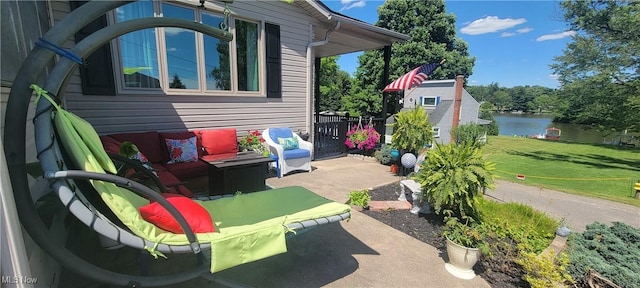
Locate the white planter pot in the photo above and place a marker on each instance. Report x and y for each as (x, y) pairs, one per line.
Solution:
(461, 260)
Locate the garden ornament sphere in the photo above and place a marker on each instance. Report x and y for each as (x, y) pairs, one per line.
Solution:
(395, 154)
(408, 160)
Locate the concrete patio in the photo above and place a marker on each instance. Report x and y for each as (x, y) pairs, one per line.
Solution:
(362, 252)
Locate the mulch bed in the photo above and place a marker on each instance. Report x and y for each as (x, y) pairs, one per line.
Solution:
(499, 271)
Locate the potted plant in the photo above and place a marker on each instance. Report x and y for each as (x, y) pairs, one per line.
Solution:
(394, 168)
(253, 141)
(362, 137)
(411, 130)
(464, 246)
(384, 155)
(359, 199)
(453, 177)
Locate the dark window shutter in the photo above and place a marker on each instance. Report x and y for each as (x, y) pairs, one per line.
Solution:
(97, 75)
(274, 61)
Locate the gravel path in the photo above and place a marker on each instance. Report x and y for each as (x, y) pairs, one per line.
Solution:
(576, 211)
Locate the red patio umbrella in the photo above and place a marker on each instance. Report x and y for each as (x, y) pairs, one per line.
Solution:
(413, 78)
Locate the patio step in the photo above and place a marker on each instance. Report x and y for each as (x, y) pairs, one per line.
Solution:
(389, 205)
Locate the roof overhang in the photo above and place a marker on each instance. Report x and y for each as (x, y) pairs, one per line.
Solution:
(353, 35)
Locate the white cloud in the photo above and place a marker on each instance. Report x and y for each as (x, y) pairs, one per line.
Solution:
(556, 36)
(490, 24)
(348, 4)
(554, 76)
(172, 31)
(519, 31)
(524, 30)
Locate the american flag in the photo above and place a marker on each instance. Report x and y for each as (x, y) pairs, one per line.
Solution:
(413, 78)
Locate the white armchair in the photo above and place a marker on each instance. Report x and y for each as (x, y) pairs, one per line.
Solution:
(292, 158)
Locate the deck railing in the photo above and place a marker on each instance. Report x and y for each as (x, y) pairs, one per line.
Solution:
(331, 133)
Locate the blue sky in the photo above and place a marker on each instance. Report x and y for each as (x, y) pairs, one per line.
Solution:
(513, 41)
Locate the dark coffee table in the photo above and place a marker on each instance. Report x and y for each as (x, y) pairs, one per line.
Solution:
(245, 172)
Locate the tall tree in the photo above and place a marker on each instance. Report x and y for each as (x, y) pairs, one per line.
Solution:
(543, 102)
(599, 69)
(502, 100)
(334, 84)
(433, 38)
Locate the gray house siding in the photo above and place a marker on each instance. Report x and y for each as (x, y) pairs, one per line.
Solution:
(128, 112)
(469, 109)
(441, 116)
(19, 33)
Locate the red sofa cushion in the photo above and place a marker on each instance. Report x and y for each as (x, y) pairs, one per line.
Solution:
(219, 141)
(147, 142)
(178, 136)
(110, 144)
(187, 170)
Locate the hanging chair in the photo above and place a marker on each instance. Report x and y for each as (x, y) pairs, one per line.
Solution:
(71, 154)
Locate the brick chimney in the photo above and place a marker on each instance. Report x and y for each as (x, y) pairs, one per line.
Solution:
(457, 101)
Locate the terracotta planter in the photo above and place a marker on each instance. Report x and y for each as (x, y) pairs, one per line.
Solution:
(461, 260)
(394, 169)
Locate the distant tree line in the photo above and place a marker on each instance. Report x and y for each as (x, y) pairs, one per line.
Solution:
(519, 98)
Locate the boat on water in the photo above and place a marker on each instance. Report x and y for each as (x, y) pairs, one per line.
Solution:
(552, 133)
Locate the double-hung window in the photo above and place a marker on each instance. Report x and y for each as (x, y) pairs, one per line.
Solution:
(181, 61)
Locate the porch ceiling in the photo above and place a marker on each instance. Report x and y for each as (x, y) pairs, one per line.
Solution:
(353, 35)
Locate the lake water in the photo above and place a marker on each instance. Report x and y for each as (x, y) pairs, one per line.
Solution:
(527, 125)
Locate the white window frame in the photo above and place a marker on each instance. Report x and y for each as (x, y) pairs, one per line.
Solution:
(165, 79)
(436, 132)
(435, 101)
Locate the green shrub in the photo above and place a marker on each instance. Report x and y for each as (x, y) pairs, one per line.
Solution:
(411, 130)
(471, 134)
(492, 128)
(384, 154)
(613, 252)
(359, 198)
(546, 270)
(452, 177)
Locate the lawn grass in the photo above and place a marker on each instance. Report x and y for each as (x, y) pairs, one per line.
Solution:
(606, 172)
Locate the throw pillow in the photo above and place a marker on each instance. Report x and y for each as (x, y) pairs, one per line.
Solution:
(197, 217)
(288, 143)
(182, 150)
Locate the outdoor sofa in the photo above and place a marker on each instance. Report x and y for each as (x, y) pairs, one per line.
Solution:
(172, 172)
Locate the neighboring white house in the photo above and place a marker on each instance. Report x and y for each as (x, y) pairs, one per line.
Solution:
(447, 103)
(169, 79)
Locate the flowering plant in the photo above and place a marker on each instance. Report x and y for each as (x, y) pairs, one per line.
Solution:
(362, 137)
(252, 142)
